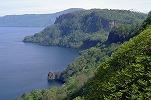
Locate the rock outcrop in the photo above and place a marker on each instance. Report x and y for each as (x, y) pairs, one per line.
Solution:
(53, 75)
(108, 24)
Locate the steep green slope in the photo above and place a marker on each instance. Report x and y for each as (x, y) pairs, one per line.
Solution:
(75, 75)
(82, 69)
(32, 20)
(146, 23)
(77, 28)
(127, 74)
(122, 33)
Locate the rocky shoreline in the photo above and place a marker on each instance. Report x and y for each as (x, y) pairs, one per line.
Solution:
(53, 75)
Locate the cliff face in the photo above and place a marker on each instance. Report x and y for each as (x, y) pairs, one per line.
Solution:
(72, 29)
(88, 23)
(112, 23)
(109, 24)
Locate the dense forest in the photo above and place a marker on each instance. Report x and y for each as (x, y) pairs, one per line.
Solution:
(32, 20)
(115, 64)
(127, 74)
(83, 27)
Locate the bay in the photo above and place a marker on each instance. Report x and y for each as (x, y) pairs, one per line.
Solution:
(24, 66)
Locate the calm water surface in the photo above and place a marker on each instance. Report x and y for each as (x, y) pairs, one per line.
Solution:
(24, 66)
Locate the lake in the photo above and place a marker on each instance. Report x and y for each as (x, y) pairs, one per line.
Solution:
(24, 66)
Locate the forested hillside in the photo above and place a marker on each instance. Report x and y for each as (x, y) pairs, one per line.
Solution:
(94, 75)
(127, 74)
(79, 28)
(32, 20)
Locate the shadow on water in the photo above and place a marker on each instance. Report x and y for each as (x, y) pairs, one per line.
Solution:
(54, 83)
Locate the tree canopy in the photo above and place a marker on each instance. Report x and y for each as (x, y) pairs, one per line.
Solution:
(72, 29)
(127, 74)
(107, 69)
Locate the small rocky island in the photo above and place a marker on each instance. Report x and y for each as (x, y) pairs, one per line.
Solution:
(53, 75)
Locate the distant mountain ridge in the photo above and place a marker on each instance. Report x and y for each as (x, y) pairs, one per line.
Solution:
(78, 28)
(33, 20)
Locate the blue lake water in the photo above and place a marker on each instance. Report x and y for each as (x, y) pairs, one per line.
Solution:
(24, 66)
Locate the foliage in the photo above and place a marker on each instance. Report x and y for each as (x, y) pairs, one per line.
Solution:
(77, 73)
(126, 75)
(123, 32)
(146, 23)
(73, 29)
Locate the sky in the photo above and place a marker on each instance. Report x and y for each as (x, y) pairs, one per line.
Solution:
(18, 7)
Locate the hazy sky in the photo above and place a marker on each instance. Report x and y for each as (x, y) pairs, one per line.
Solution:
(9, 7)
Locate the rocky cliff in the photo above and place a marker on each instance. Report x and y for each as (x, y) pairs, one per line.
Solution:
(72, 29)
(53, 75)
